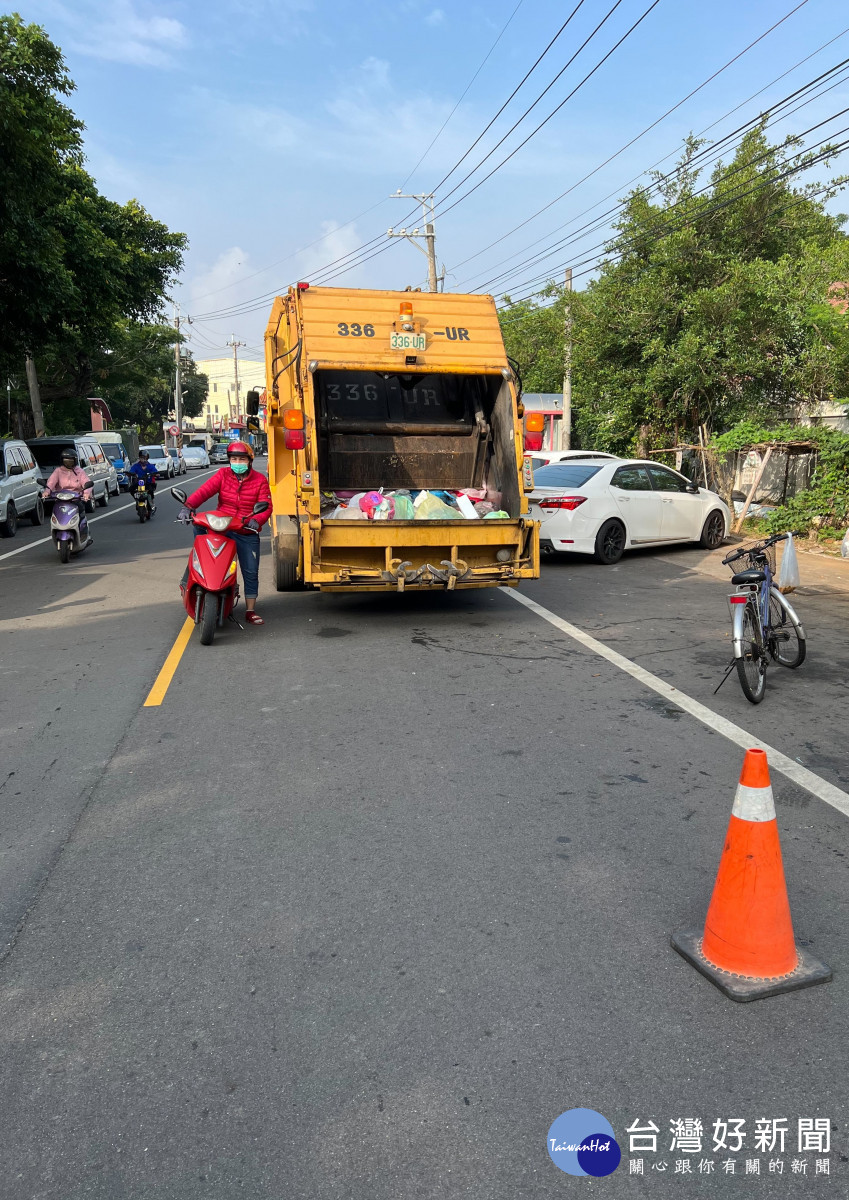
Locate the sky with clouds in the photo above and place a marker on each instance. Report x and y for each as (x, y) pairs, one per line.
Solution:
(273, 132)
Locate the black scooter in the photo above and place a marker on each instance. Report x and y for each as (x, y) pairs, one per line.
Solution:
(143, 497)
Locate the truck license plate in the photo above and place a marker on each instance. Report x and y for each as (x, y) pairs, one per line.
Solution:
(407, 341)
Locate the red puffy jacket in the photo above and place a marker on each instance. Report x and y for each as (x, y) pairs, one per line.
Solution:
(236, 496)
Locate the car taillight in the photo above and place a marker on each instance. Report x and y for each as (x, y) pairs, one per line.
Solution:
(570, 502)
(294, 439)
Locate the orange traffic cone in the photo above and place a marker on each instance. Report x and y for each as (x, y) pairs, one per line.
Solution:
(747, 948)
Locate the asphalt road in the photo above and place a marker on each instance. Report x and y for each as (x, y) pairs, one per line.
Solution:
(387, 884)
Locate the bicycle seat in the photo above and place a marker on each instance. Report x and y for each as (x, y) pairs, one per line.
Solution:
(753, 575)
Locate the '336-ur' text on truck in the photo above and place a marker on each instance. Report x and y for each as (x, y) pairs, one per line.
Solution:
(409, 395)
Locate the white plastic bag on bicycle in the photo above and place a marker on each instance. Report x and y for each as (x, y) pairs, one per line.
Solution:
(788, 575)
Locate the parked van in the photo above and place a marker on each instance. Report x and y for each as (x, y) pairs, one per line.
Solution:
(48, 455)
(20, 494)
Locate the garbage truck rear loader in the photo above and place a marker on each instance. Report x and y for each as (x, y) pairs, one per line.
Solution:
(408, 395)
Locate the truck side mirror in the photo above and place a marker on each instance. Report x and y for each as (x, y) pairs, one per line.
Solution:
(252, 402)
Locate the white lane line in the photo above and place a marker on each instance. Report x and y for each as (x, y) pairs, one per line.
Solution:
(800, 775)
(112, 512)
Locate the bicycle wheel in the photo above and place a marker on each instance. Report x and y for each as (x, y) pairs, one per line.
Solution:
(785, 644)
(752, 666)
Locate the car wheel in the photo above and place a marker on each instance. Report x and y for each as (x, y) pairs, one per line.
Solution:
(37, 515)
(713, 533)
(610, 543)
(9, 527)
(89, 506)
(103, 500)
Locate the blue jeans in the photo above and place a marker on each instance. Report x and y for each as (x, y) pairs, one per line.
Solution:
(247, 548)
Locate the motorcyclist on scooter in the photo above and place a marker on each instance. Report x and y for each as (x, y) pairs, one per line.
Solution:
(239, 487)
(70, 477)
(145, 472)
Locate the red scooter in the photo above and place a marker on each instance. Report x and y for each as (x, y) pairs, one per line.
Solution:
(210, 589)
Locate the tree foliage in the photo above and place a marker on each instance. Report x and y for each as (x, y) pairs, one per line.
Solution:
(711, 305)
(74, 265)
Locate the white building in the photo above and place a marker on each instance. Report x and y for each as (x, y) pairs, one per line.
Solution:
(222, 401)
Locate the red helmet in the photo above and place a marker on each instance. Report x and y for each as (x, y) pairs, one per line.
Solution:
(240, 448)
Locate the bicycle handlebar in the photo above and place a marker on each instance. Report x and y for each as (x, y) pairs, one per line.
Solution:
(763, 545)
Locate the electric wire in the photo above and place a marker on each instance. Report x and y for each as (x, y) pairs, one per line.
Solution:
(648, 128)
(463, 95)
(708, 154)
(665, 228)
(360, 257)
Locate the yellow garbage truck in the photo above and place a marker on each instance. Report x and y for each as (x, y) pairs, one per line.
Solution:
(406, 398)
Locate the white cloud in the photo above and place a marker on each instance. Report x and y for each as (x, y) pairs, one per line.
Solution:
(118, 32)
(436, 17)
(335, 244)
(231, 265)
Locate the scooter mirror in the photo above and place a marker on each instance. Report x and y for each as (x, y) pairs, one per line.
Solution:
(261, 506)
(41, 482)
(179, 494)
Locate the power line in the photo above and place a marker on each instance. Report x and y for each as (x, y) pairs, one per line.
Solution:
(463, 96)
(359, 256)
(531, 135)
(648, 128)
(353, 255)
(715, 152)
(664, 229)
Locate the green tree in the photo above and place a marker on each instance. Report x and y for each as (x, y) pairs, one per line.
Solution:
(136, 376)
(711, 305)
(73, 264)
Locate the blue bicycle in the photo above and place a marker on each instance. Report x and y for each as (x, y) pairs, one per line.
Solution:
(764, 624)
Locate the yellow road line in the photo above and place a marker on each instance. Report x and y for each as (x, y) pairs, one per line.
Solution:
(157, 693)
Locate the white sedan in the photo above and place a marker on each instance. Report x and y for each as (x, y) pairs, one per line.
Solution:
(162, 460)
(604, 508)
(542, 458)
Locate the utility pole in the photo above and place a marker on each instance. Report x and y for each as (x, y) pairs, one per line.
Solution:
(428, 233)
(178, 386)
(236, 346)
(566, 431)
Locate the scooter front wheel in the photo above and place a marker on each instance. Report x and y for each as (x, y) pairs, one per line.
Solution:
(208, 619)
(64, 552)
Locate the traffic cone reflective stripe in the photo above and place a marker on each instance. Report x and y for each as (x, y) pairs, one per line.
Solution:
(747, 948)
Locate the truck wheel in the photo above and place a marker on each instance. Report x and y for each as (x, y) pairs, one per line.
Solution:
(285, 570)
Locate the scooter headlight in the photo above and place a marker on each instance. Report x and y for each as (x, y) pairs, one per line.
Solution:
(219, 523)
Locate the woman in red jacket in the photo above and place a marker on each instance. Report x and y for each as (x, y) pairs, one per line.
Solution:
(239, 487)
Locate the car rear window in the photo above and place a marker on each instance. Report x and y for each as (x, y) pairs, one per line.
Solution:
(49, 454)
(565, 474)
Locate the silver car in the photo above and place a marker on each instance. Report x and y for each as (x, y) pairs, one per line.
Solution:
(20, 494)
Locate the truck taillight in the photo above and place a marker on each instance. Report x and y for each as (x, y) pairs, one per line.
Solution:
(570, 502)
(303, 287)
(293, 418)
(534, 426)
(294, 439)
